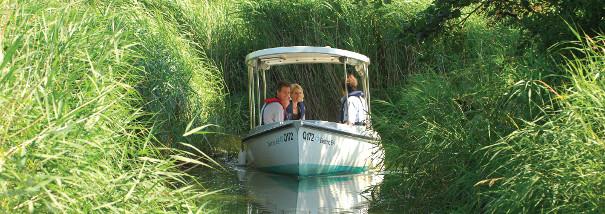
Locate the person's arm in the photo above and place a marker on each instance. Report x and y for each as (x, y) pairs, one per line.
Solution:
(274, 113)
(364, 111)
(302, 110)
(290, 110)
(278, 113)
(345, 114)
(269, 114)
(352, 111)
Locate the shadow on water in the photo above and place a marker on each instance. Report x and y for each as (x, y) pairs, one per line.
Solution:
(247, 190)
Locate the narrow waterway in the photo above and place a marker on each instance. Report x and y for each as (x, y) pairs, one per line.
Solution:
(245, 190)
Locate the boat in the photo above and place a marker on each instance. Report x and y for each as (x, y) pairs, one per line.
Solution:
(307, 147)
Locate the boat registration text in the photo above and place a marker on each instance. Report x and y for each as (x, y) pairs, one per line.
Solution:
(282, 138)
(316, 138)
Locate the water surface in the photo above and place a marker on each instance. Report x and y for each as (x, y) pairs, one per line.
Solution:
(250, 191)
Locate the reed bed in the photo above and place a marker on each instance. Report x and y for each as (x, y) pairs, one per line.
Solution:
(502, 130)
(97, 97)
(107, 104)
(555, 163)
(345, 24)
(463, 115)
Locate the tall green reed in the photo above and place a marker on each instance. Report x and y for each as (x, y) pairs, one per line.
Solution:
(367, 28)
(180, 84)
(80, 131)
(555, 164)
(474, 89)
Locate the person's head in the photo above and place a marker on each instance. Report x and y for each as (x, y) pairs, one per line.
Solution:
(297, 93)
(351, 82)
(283, 92)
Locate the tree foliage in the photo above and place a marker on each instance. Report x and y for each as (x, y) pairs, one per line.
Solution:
(543, 18)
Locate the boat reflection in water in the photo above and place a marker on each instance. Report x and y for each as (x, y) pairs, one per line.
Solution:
(318, 194)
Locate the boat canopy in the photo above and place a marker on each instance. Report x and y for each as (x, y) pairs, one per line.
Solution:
(260, 61)
(305, 55)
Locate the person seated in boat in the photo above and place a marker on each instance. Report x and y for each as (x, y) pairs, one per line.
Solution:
(274, 108)
(354, 109)
(296, 109)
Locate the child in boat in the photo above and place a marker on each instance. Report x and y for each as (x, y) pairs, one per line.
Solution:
(274, 108)
(296, 109)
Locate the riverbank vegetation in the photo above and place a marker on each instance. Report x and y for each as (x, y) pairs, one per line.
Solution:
(478, 112)
(502, 132)
(99, 101)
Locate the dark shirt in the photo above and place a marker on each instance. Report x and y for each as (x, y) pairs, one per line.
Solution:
(301, 112)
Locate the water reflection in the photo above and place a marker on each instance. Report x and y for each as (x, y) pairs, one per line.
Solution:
(323, 194)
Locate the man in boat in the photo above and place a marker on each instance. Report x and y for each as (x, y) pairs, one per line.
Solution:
(354, 109)
(274, 108)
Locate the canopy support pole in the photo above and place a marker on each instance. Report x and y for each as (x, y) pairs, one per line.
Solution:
(346, 104)
(258, 100)
(367, 87)
(251, 96)
(264, 85)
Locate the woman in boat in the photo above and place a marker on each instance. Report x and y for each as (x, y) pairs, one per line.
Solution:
(296, 109)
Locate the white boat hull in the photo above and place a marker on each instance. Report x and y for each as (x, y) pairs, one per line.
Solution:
(306, 148)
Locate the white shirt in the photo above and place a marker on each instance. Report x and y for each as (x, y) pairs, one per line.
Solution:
(272, 112)
(356, 110)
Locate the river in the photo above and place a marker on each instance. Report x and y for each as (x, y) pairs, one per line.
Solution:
(245, 190)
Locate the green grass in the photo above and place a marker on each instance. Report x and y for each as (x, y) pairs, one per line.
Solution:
(497, 126)
(555, 164)
(449, 103)
(100, 99)
(353, 25)
(96, 96)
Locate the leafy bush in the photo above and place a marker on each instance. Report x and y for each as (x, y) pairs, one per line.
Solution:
(543, 18)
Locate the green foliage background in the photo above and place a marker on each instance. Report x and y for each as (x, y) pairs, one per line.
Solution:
(541, 18)
(476, 113)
